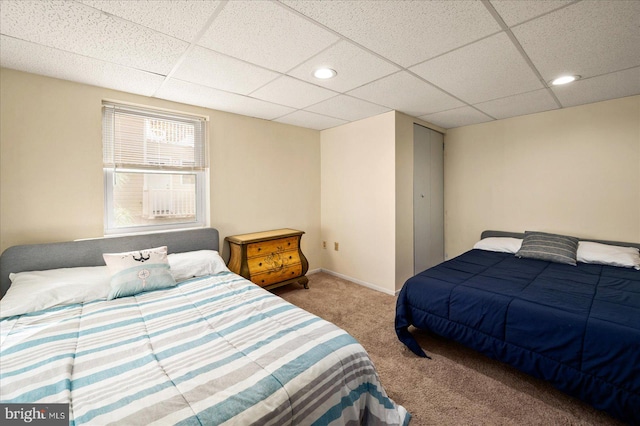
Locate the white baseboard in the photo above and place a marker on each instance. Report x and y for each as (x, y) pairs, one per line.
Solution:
(313, 271)
(360, 282)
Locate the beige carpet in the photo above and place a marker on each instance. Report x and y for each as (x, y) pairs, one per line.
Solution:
(458, 386)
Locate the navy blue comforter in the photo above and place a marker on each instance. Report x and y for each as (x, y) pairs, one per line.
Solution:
(575, 326)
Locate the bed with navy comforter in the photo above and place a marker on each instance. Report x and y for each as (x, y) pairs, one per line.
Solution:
(575, 326)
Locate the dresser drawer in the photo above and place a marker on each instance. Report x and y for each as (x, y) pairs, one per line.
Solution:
(270, 277)
(273, 261)
(267, 247)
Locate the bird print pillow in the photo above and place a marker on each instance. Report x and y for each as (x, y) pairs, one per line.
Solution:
(138, 271)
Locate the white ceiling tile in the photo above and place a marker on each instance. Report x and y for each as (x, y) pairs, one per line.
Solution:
(209, 68)
(266, 34)
(514, 12)
(182, 19)
(406, 93)
(588, 38)
(84, 30)
(355, 67)
(291, 92)
(347, 108)
(310, 120)
(609, 86)
(458, 49)
(458, 117)
(522, 104)
(497, 70)
(193, 94)
(407, 32)
(37, 59)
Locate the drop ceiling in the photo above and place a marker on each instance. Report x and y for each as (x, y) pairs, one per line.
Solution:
(451, 63)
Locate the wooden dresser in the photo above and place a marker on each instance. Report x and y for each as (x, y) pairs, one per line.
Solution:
(269, 259)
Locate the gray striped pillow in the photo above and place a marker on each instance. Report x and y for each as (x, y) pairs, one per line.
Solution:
(551, 247)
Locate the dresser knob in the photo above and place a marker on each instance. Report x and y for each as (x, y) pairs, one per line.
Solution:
(290, 257)
(260, 264)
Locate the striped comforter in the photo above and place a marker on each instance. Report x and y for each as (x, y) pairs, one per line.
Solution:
(215, 350)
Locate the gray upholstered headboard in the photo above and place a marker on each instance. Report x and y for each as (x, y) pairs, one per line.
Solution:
(488, 233)
(39, 257)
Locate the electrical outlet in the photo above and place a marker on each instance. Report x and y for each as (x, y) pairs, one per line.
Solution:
(324, 244)
(335, 246)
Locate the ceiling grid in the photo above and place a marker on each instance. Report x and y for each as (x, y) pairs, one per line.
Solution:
(448, 63)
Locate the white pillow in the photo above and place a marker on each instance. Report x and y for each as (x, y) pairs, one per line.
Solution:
(195, 264)
(499, 244)
(36, 290)
(607, 254)
(138, 271)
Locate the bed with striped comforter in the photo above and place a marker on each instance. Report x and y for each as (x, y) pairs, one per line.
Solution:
(213, 350)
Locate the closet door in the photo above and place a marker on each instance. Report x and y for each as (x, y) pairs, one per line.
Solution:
(428, 198)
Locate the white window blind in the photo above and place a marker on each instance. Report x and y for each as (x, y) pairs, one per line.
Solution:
(155, 168)
(140, 138)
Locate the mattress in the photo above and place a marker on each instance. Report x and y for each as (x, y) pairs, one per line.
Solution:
(575, 326)
(212, 350)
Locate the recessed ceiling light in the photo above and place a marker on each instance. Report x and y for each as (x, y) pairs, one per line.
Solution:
(564, 79)
(324, 73)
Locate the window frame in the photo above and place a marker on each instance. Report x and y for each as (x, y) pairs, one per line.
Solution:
(201, 176)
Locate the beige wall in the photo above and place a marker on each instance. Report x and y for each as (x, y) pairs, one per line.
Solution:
(574, 171)
(264, 175)
(367, 199)
(358, 200)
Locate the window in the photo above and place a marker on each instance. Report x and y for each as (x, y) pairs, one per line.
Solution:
(155, 169)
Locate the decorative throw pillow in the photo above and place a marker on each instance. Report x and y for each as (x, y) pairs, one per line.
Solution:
(137, 271)
(550, 247)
